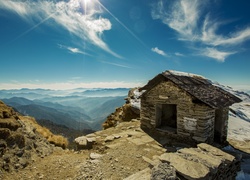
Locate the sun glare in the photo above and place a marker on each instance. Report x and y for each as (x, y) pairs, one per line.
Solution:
(87, 1)
(87, 4)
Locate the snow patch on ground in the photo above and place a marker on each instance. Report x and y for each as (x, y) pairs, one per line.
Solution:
(238, 129)
(136, 101)
(239, 126)
(239, 116)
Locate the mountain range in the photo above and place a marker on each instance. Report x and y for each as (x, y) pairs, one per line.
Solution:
(77, 108)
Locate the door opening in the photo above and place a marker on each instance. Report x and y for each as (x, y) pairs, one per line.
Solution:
(166, 116)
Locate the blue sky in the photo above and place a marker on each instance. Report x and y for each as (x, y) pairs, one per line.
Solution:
(122, 43)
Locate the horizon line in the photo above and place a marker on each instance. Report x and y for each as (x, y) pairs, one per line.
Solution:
(69, 85)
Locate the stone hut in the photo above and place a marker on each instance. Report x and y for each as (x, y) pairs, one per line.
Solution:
(186, 106)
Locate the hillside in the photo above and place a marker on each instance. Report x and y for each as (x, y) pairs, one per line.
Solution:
(41, 112)
(23, 139)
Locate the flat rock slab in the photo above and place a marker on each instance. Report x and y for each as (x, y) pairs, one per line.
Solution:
(188, 169)
(210, 160)
(141, 175)
(141, 140)
(216, 152)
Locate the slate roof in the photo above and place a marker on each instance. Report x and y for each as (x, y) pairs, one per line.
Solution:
(198, 87)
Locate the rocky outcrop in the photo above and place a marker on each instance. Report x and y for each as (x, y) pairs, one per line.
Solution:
(19, 141)
(130, 110)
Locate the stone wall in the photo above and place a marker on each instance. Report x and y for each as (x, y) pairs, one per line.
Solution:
(194, 120)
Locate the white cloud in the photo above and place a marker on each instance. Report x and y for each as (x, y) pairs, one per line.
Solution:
(158, 51)
(193, 24)
(178, 54)
(18, 7)
(73, 50)
(182, 16)
(87, 26)
(210, 37)
(216, 54)
(70, 85)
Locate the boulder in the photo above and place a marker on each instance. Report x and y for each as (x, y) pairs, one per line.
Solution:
(85, 142)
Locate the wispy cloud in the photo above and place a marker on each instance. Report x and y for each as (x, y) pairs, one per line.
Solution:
(18, 7)
(192, 22)
(73, 50)
(178, 54)
(181, 15)
(116, 64)
(216, 54)
(210, 37)
(158, 51)
(84, 22)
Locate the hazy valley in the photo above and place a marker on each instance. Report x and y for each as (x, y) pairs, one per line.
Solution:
(79, 109)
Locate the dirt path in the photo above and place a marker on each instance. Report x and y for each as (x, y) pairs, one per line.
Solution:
(62, 164)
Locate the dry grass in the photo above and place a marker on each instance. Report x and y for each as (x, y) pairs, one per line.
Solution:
(58, 140)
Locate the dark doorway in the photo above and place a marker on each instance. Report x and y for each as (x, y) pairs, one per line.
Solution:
(220, 126)
(166, 116)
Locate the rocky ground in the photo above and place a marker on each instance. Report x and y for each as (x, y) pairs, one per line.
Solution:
(118, 153)
(121, 152)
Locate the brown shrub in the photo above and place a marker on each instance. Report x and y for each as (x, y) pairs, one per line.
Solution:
(58, 140)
